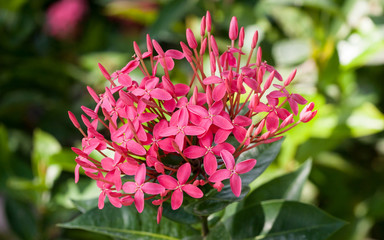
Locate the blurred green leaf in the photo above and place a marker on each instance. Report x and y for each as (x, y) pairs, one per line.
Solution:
(170, 13)
(85, 205)
(288, 187)
(327, 5)
(279, 219)
(13, 5)
(65, 159)
(218, 232)
(291, 52)
(366, 120)
(21, 219)
(127, 223)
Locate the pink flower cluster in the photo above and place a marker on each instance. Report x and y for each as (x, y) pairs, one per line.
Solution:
(64, 16)
(159, 140)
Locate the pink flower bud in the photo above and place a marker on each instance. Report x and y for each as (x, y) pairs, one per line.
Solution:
(218, 186)
(149, 44)
(104, 72)
(254, 39)
(158, 48)
(208, 94)
(241, 37)
(259, 128)
(137, 49)
(287, 121)
(159, 214)
(240, 82)
(89, 112)
(258, 59)
(233, 29)
(73, 119)
(306, 114)
(212, 59)
(191, 39)
(290, 78)
(202, 26)
(86, 122)
(93, 94)
(214, 47)
(186, 51)
(194, 96)
(196, 183)
(208, 21)
(203, 46)
(269, 80)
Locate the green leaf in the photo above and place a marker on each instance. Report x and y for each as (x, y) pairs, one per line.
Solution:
(21, 219)
(179, 215)
(279, 219)
(288, 186)
(85, 205)
(170, 13)
(65, 159)
(291, 52)
(215, 201)
(219, 232)
(127, 223)
(264, 155)
(366, 120)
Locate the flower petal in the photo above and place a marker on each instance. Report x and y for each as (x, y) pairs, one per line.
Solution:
(193, 131)
(228, 159)
(220, 175)
(193, 191)
(160, 94)
(167, 181)
(139, 201)
(184, 173)
(152, 188)
(129, 187)
(176, 199)
(245, 166)
(210, 163)
(194, 152)
(212, 80)
(235, 182)
(219, 92)
(222, 122)
(140, 174)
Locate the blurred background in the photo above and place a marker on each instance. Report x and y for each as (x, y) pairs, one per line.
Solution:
(49, 52)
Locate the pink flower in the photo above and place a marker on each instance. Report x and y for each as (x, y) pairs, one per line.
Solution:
(232, 172)
(180, 185)
(64, 16)
(139, 187)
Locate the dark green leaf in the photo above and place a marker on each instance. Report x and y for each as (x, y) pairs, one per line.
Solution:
(264, 155)
(21, 219)
(279, 219)
(215, 201)
(288, 186)
(219, 232)
(170, 13)
(179, 215)
(127, 223)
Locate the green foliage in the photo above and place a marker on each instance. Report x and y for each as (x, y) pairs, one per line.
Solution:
(127, 223)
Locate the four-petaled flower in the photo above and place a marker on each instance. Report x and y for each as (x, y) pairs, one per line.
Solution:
(180, 185)
(139, 187)
(232, 171)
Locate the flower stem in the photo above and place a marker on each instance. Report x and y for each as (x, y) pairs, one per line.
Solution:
(204, 226)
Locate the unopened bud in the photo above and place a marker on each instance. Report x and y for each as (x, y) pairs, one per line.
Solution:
(258, 58)
(269, 80)
(202, 26)
(73, 119)
(208, 20)
(191, 39)
(149, 44)
(186, 51)
(214, 47)
(233, 29)
(203, 46)
(255, 39)
(158, 48)
(241, 37)
(290, 77)
(104, 72)
(137, 50)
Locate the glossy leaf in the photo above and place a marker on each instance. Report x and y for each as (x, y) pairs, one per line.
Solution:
(179, 215)
(274, 220)
(219, 232)
(127, 223)
(288, 186)
(264, 155)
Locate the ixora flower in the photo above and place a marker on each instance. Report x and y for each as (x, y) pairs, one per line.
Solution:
(159, 140)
